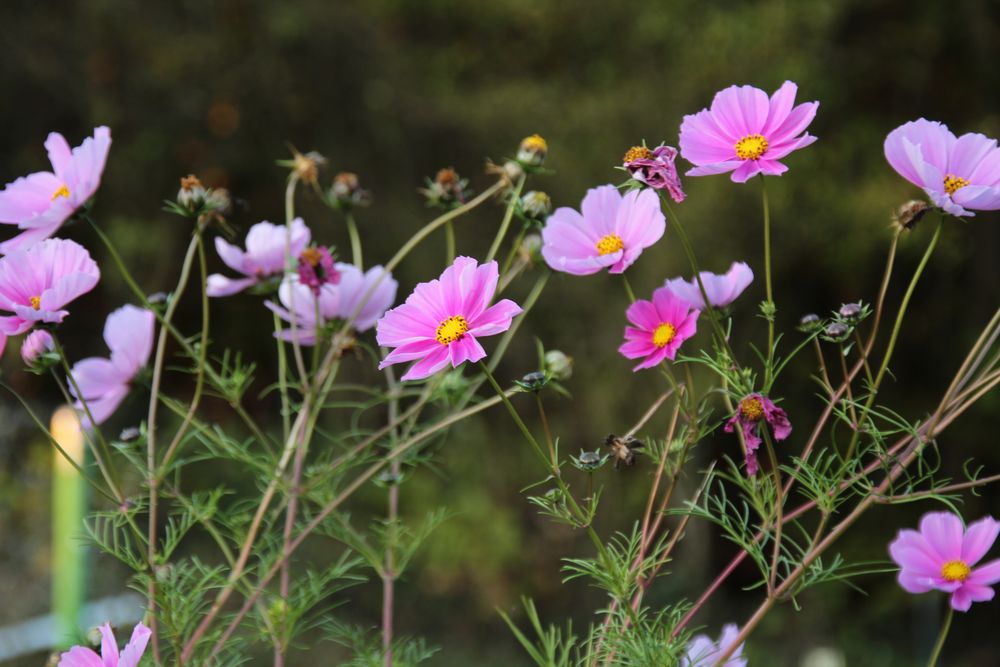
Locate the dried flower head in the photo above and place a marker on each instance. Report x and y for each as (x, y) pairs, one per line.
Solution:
(754, 412)
(624, 449)
(655, 168)
(305, 167)
(909, 214)
(346, 191)
(316, 268)
(446, 189)
(191, 196)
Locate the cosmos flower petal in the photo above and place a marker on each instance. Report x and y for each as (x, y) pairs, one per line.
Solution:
(979, 537)
(978, 197)
(986, 574)
(128, 332)
(943, 532)
(132, 653)
(219, 285)
(79, 656)
(429, 365)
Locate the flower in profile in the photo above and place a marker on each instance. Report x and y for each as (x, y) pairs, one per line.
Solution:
(441, 320)
(703, 652)
(364, 296)
(746, 133)
(307, 310)
(661, 325)
(40, 203)
(36, 282)
(942, 554)
(655, 168)
(316, 268)
(610, 231)
(722, 289)
(80, 656)
(751, 411)
(956, 173)
(36, 344)
(104, 383)
(267, 245)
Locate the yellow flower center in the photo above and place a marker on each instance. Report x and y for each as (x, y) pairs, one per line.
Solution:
(534, 143)
(36, 302)
(953, 183)
(637, 153)
(751, 409)
(63, 191)
(451, 329)
(663, 334)
(609, 244)
(751, 147)
(955, 570)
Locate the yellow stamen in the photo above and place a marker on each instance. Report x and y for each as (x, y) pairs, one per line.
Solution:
(955, 570)
(664, 334)
(751, 409)
(609, 244)
(751, 147)
(63, 191)
(953, 183)
(451, 329)
(311, 256)
(637, 153)
(36, 302)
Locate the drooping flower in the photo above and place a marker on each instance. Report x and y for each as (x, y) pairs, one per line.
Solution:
(612, 231)
(942, 554)
(41, 202)
(956, 173)
(655, 168)
(80, 656)
(36, 344)
(746, 133)
(36, 282)
(751, 411)
(307, 310)
(722, 289)
(355, 286)
(104, 383)
(267, 245)
(316, 268)
(703, 652)
(661, 325)
(441, 320)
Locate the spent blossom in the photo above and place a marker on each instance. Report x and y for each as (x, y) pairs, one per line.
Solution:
(316, 268)
(661, 325)
(267, 245)
(80, 656)
(655, 168)
(703, 652)
(751, 411)
(722, 289)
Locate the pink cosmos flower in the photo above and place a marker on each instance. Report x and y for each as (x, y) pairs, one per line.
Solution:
(745, 133)
(104, 383)
(79, 656)
(316, 268)
(941, 557)
(655, 168)
(956, 173)
(722, 289)
(307, 311)
(752, 409)
(354, 287)
(36, 282)
(36, 344)
(441, 320)
(661, 325)
(703, 652)
(40, 203)
(612, 231)
(267, 244)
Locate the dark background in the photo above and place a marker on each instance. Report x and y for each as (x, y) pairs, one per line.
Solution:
(393, 90)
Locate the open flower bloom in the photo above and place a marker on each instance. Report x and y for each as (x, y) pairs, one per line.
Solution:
(956, 173)
(36, 344)
(355, 300)
(703, 652)
(941, 556)
(661, 325)
(441, 320)
(611, 231)
(655, 168)
(752, 410)
(722, 290)
(305, 309)
(746, 133)
(104, 383)
(40, 203)
(80, 656)
(267, 245)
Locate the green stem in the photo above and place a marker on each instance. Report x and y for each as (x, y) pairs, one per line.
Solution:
(941, 637)
(513, 250)
(282, 379)
(507, 217)
(449, 243)
(767, 282)
(352, 230)
(628, 289)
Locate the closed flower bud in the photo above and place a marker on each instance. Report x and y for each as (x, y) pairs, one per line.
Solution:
(532, 151)
(191, 196)
(530, 250)
(558, 364)
(534, 381)
(809, 323)
(836, 332)
(536, 205)
(36, 348)
(850, 311)
(909, 214)
(588, 461)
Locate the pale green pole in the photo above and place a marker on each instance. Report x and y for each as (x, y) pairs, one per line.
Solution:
(69, 498)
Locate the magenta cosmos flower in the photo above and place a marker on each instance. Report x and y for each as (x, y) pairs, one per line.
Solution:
(752, 410)
(104, 383)
(703, 652)
(661, 325)
(611, 232)
(40, 203)
(79, 656)
(316, 268)
(655, 168)
(441, 320)
(956, 173)
(746, 133)
(941, 557)
(267, 245)
(722, 289)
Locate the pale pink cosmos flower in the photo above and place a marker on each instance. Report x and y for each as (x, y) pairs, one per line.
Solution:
(80, 656)
(355, 286)
(307, 310)
(611, 232)
(104, 383)
(751, 411)
(942, 555)
(661, 325)
(441, 320)
(722, 289)
(655, 168)
(40, 203)
(957, 173)
(264, 257)
(703, 652)
(36, 344)
(746, 133)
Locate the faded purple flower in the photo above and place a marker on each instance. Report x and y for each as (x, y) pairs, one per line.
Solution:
(722, 289)
(703, 652)
(36, 344)
(316, 269)
(752, 410)
(80, 656)
(655, 168)
(267, 245)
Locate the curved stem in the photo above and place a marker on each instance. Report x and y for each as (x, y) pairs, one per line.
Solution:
(507, 217)
(767, 282)
(352, 231)
(945, 627)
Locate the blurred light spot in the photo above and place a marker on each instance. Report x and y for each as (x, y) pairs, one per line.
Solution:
(223, 118)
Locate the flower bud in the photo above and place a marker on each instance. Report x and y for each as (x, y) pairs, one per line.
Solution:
(809, 323)
(219, 201)
(532, 151)
(588, 461)
(346, 191)
(909, 214)
(536, 205)
(836, 332)
(534, 381)
(530, 250)
(558, 364)
(191, 196)
(35, 346)
(850, 312)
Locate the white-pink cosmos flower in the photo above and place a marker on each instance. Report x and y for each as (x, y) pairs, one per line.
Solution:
(80, 656)
(354, 287)
(722, 289)
(268, 245)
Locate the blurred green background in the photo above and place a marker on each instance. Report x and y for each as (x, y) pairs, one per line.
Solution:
(394, 90)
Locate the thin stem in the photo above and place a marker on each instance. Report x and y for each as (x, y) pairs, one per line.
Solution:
(628, 288)
(505, 223)
(512, 254)
(945, 627)
(779, 502)
(392, 516)
(827, 385)
(767, 281)
(352, 231)
(449, 243)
